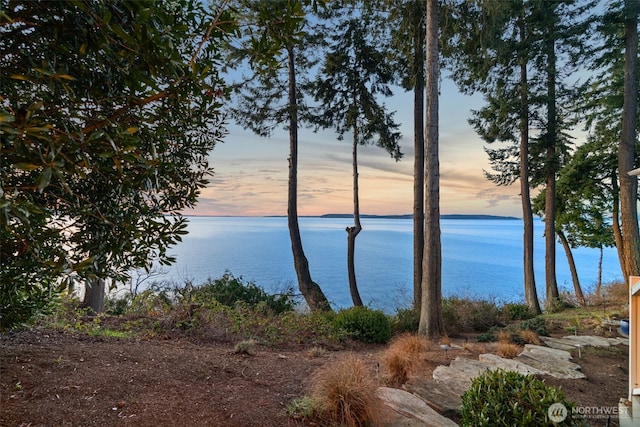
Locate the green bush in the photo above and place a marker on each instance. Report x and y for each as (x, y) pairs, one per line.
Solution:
(364, 324)
(537, 325)
(406, 320)
(468, 315)
(499, 398)
(230, 290)
(22, 301)
(517, 312)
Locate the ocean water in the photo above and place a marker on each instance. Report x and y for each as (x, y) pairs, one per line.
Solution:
(480, 258)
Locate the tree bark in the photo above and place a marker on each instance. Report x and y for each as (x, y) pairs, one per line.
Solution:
(352, 232)
(418, 168)
(626, 152)
(617, 228)
(94, 292)
(551, 166)
(310, 290)
(530, 291)
(431, 323)
(572, 267)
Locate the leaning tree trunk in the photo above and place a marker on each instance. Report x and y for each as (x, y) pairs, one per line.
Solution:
(530, 291)
(418, 169)
(352, 232)
(431, 323)
(310, 290)
(626, 151)
(617, 228)
(572, 267)
(94, 293)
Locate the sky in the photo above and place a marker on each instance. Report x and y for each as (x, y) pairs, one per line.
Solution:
(250, 172)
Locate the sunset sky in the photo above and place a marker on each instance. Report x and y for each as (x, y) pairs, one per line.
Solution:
(251, 172)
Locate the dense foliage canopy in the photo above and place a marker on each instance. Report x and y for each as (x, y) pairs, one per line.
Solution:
(108, 113)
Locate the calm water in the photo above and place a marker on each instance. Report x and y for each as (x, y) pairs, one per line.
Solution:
(481, 258)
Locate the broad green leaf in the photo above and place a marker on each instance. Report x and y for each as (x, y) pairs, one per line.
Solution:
(26, 166)
(44, 179)
(6, 117)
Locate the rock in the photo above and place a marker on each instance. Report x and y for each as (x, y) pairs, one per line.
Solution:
(552, 352)
(497, 362)
(438, 396)
(412, 408)
(588, 340)
(458, 375)
(550, 365)
(559, 343)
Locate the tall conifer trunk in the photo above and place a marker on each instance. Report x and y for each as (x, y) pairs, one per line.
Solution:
(310, 290)
(626, 152)
(530, 291)
(431, 323)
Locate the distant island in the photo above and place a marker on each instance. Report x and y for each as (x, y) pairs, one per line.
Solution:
(409, 216)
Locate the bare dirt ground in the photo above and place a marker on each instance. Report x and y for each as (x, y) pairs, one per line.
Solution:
(51, 378)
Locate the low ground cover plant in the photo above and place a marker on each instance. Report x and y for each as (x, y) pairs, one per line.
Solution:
(500, 398)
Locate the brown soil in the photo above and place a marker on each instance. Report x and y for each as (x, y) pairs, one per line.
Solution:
(49, 378)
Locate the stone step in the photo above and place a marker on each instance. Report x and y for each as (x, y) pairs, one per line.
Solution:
(588, 340)
(438, 396)
(553, 366)
(496, 362)
(413, 410)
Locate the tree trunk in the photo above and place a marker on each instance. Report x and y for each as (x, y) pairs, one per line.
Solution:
(551, 166)
(352, 232)
(310, 290)
(94, 292)
(431, 323)
(599, 284)
(626, 152)
(572, 267)
(617, 228)
(530, 291)
(418, 168)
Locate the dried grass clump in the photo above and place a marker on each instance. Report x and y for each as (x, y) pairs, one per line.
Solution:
(504, 336)
(475, 347)
(530, 337)
(402, 357)
(508, 350)
(345, 393)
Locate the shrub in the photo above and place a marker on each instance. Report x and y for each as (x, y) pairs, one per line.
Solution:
(500, 398)
(364, 324)
(467, 315)
(488, 336)
(402, 357)
(517, 312)
(406, 320)
(537, 325)
(230, 290)
(345, 393)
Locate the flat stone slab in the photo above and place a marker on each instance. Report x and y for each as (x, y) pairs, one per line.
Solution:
(618, 341)
(553, 366)
(496, 362)
(413, 408)
(438, 396)
(587, 340)
(458, 375)
(549, 351)
(559, 343)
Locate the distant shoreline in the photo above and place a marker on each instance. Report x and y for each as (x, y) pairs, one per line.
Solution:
(368, 216)
(410, 216)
